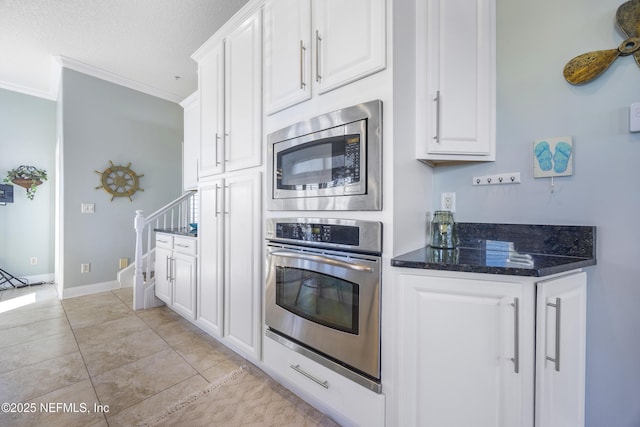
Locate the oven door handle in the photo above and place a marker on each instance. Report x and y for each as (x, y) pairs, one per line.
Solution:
(323, 259)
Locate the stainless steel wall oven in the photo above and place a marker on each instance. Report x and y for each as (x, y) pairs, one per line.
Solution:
(323, 292)
(329, 162)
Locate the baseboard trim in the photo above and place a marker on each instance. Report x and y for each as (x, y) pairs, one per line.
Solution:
(94, 288)
(39, 278)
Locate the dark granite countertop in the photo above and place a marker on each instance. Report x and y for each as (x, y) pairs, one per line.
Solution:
(510, 249)
(181, 231)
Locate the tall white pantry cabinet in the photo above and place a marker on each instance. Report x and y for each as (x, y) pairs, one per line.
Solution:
(230, 184)
(472, 346)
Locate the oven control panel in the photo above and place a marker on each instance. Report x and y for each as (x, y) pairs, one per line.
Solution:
(347, 234)
(321, 233)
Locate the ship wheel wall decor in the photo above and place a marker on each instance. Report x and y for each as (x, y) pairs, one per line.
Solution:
(586, 67)
(119, 181)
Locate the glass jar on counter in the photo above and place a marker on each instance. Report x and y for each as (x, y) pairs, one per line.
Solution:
(443, 230)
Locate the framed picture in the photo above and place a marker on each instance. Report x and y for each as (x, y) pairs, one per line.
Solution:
(553, 157)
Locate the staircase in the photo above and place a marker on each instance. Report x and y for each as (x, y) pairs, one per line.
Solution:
(175, 215)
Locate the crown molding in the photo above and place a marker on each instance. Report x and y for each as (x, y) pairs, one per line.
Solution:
(28, 90)
(99, 73)
(189, 100)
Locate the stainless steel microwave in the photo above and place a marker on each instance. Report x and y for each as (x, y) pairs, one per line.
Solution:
(329, 162)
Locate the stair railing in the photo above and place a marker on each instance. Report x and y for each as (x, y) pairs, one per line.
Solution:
(175, 215)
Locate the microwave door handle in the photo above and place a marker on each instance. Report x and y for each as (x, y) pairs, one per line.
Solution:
(323, 259)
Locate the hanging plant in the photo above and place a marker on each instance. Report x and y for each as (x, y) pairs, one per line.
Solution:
(28, 177)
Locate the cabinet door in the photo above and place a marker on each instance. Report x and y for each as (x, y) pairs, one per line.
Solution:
(163, 274)
(460, 61)
(287, 53)
(463, 352)
(184, 284)
(211, 87)
(349, 41)
(191, 145)
(560, 351)
(243, 95)
(210, 234)
(243, 261)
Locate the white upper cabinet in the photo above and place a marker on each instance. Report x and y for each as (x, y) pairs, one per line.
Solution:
(320, 44)
(230, 84)
(243, 95)
(456, 76)
(287, 54)
(211, 87)
(349, 40)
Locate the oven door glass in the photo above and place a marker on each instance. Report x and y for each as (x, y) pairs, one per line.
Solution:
(320, 298)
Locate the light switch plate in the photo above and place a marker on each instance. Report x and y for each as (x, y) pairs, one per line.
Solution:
(634, 117)
(87, 208)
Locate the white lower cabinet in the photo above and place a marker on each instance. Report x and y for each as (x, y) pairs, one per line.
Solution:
(560, 351)
(467, 350)
(175, 272)
(348, 403)
(229, 289)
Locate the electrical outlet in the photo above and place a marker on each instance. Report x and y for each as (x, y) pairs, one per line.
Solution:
(448, 202)
(34, 260)
(85, 268)
(123, 263)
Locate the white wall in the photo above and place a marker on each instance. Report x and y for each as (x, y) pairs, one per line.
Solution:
(27, 137)
(102, 121)
(535, 41)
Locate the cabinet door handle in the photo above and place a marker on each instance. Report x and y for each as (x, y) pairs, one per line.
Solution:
(226, 200)
(226, 151)
(168, 268)
(318, 40)
(516, 335)
(217, 150)
(303, 51)
(298, 369)
(556, 358)
(217, 200)
(437, 101)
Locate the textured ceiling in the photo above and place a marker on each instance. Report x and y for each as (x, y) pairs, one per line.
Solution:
(147, 42)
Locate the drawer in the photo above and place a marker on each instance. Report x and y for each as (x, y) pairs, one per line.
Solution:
(164, 241)
(185, 245)
(349, 403)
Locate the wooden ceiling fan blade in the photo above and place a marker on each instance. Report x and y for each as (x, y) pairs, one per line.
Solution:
(636, 56)
(586, 67)
(628, 18)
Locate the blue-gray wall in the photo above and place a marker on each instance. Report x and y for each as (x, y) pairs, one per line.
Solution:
(27, 137)
(535, 41)
(104, 122)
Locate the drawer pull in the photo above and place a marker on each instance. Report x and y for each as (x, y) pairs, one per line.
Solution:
(298, 369)
(183, 246)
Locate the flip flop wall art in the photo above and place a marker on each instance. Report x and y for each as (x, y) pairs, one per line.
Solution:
(553, 157)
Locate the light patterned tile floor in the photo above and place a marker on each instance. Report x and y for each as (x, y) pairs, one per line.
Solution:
(63, 363)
